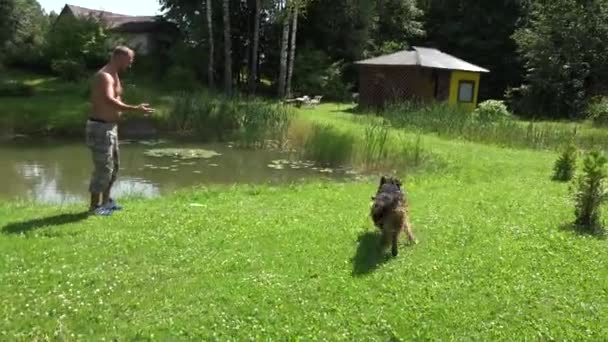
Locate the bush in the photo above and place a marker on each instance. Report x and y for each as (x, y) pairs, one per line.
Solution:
(565, 165)
(598, 111)
(67, 69)
(492, 111)
(591, 193)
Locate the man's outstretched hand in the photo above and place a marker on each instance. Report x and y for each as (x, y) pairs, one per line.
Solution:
(145, 108)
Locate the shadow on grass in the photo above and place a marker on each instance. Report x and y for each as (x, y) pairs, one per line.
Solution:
(369, 255)
(57, 220)
(575, 229)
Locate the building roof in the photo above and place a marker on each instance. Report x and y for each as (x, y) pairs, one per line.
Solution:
(115, 21)
(425, 57)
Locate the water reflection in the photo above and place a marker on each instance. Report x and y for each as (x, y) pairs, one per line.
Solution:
(58, 172)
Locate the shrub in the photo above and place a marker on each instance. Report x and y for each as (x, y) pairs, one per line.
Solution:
(491, 111)
(598, 111)
(565, 165)
(590, 192)
(67, 69)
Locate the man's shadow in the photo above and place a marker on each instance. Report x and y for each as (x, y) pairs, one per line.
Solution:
(57, 220)
(369, 256)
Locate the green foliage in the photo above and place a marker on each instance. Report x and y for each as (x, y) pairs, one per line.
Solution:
(181, 78)
(211, 117)
(480, 33)
(67, 69)
(598, 111)
(565, 166)
(397, 23)
(492, 112)
(376, 143)
(451, 121)
(80, 39)
(329, 146)
(23, 28)
(350, 30)
(314, 74)
(563, 46)
(590, 192)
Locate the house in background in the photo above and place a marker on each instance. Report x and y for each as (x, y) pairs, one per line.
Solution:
(138, 31)
(418, 74)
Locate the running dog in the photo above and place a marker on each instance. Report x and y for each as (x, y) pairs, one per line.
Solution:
(390, 213)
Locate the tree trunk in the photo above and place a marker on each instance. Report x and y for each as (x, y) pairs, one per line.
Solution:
(253, 69)
(227, 50)
(283, 62)
(210, 71)
(292, 48)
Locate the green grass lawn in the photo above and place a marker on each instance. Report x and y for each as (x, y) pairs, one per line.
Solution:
(496, 260)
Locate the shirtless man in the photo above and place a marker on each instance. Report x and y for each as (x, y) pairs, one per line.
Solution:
(101, 129)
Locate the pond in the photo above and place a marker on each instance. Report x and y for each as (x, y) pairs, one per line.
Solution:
(54, 171)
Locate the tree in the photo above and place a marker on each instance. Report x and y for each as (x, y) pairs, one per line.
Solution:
(23, 26)
(227, 49)
(292, 48)
(566, 57)
(478, 32)
(210, 68)
(8, 21)
(82, 40)
(396, 24)
(284, 50)
(253, 69)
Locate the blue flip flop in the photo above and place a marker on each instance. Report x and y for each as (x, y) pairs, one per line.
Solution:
(100, 211)
(114, 206)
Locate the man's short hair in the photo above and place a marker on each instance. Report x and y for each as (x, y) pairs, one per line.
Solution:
(121, 50)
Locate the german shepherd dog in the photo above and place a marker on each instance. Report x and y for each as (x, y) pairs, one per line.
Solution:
(390, 213)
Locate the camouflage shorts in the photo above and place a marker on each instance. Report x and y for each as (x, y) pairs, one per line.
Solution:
(102, 140)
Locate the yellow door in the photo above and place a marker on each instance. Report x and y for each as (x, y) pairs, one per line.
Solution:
(464, 87)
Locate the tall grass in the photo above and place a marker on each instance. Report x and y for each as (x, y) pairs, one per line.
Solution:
(374, 147)
(329, 146)
(453, 122)
(375, 143)
(251, 122)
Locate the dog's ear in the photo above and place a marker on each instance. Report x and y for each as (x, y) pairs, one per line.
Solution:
(383, 180)
(398, 183)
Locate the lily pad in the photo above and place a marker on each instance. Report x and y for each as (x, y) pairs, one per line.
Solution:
(181, 153)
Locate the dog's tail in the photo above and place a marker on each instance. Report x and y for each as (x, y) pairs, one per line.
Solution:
(383, 204)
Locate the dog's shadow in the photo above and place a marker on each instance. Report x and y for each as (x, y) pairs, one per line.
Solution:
(26, 226)
(369, 256)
